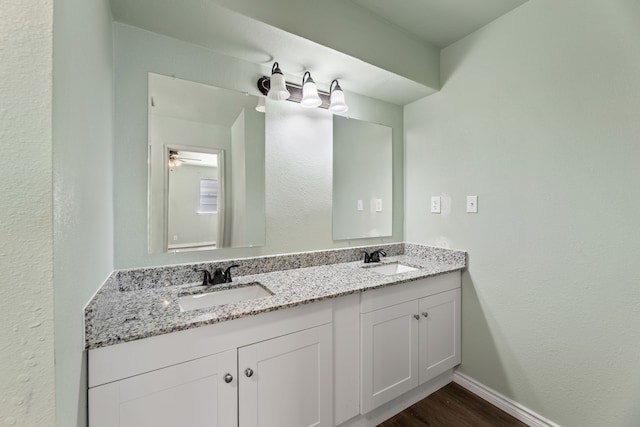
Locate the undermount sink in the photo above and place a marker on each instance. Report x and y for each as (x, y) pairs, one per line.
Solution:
(392, 268)
(224, 296)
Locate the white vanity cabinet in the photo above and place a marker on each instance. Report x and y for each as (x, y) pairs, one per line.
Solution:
(191, 394)
(321, 364)
(286, 381)
(409, 335)
(439, 334)
(276, 371)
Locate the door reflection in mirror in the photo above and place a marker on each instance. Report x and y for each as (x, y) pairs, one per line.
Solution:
(195, 198)
(191, 125)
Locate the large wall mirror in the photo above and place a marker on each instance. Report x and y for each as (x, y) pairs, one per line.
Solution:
(362, 179)
(206, 167)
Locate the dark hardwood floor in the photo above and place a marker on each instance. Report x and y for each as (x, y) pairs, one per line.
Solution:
(452, 406)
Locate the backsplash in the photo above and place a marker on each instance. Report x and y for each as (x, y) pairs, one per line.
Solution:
(170, 275)
(431, 253)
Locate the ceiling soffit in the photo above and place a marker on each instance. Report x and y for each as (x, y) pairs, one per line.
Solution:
(371, 50)
(440, 22)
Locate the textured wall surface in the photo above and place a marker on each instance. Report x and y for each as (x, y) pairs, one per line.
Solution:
(139, 52)
(367, 179)
(83, 186)
(26, 249)
(538, 116)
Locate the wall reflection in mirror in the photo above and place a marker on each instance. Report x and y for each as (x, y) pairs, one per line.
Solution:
(362, 179)
(206, 167)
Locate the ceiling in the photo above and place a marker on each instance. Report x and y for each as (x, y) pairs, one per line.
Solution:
(197, 102)
(440, 22)
(425, 23)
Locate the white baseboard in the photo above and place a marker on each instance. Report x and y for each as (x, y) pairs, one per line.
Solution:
(509, 406)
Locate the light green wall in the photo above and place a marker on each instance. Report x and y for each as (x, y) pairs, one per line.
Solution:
(26, 206)
(539, 116)
(350, 29)
(83, 186)
(303, 222)
(238, 185)
(362, 170)
(254, 230)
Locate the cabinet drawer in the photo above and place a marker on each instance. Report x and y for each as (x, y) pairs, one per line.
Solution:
(397, 294)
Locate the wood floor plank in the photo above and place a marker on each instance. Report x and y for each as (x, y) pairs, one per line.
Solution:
(452, 406)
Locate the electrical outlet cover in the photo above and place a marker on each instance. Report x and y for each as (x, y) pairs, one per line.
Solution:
(435, 205)
(472, 204)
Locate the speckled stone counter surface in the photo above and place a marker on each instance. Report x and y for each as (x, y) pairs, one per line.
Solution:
(135, 304)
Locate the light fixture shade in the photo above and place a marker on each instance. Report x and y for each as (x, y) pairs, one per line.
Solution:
(338, 105)
(261, 107)
(310, 97)
(277, 85)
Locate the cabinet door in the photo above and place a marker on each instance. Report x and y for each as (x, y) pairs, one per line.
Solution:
(287, 381)
(389, 353)
(193, 394)
(439, 334)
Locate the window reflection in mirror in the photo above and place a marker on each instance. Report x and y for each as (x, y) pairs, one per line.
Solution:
(206, 167)
(362, 179)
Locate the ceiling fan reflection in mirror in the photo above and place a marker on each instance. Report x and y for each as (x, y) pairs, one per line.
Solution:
(192, 157)
(176, 159)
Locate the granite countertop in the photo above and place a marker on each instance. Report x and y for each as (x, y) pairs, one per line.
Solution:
(116, 316)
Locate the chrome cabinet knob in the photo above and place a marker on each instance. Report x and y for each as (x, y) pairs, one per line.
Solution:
(228, 378)
(425, 314)
(248, 372)
(416, 316)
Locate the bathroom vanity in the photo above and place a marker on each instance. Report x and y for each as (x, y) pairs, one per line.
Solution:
(337, 343)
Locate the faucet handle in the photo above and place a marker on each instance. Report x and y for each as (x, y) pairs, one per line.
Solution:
(367, 257)
(227, 273)
(206, 280)
(375, 255)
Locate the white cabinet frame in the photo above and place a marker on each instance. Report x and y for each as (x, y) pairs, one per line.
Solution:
(410, 334)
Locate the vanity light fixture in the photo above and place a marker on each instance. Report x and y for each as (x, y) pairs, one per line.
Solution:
(278, 86)
(310, 98)
(337, 98)
(306, 94)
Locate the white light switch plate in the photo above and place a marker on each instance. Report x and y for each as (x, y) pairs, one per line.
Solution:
(472, 204)
(435, 204)
(360, 205)
(378, 205)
